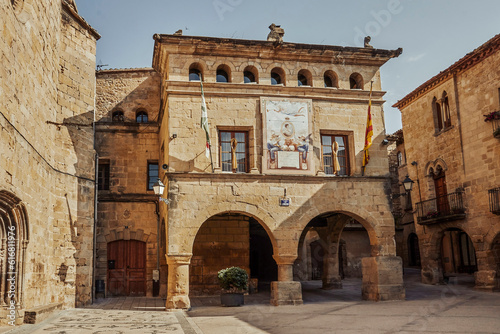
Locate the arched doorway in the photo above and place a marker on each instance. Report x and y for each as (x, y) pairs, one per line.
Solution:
(413, 251)
(226, 240)
(322, 255)
(14, 236)
(458, 256)
(127, 268)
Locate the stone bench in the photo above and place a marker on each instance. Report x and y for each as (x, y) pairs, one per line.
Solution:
(40, 313)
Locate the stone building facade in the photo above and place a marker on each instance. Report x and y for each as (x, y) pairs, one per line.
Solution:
(47, 81)
(274, 172)
(456, 167)
(402, 207)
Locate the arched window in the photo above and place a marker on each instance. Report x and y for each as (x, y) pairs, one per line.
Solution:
(195, 72)
(194, 75)
(330, 79)
(441, 110)
(304, 78)
(141, 117)
(277, 76)
(356, 81)
(248, 77)
(250, 74)
(117, 116)
(400, 158)
(223, 74)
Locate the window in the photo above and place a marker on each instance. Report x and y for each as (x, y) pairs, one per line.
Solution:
(356, 81)
(441, 110)
(234, 151)
(248, 77)
(103, 175)
(152, 174)
(141, 117)
(223, 74)
(400, 158)
(335, 154)
(117, 116)
(330, 79)
(277, 76)
(194, 75)
(304, 78)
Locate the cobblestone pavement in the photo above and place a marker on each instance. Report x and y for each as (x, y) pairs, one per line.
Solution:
(453, 308)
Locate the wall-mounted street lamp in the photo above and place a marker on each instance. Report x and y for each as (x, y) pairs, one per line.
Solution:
(407, 184)
(159, 188)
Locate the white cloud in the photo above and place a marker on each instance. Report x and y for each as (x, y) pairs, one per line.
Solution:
(416, 58)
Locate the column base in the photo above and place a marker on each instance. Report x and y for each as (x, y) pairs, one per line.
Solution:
(178, 303)
(486, 280)
(332, 283)
(286, 293)
(382, 278)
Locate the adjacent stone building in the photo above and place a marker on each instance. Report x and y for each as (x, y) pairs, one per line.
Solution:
(286, 124)
(454, 157)
(47, 84)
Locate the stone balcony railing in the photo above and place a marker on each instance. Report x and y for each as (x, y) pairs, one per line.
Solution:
(443, 208)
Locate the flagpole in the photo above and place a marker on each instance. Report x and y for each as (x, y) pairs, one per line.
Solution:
(204, 124)
(365, 149)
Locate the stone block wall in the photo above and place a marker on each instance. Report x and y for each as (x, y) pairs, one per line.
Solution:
(47, 83)
(223, 241)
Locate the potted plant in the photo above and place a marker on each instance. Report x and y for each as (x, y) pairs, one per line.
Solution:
(234, 283)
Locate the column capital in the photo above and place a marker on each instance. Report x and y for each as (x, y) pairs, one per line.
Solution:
(179, 259)
(285, 259)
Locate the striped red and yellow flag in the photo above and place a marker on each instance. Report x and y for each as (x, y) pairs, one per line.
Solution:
(369, 132)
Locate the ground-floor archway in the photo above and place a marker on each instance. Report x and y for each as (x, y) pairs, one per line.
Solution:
(413, 250)
(334, 246)
(226, 240)
(458, 256)
(495, 248)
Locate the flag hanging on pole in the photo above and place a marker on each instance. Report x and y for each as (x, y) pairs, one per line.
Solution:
(204, 122)
(369, 132)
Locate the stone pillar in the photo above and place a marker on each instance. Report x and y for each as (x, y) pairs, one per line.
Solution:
(382, 278)
(285, 291)
(331, 278)
(178, 282)
(486, 276)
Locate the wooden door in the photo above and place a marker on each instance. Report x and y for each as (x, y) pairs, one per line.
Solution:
(441, 194)
(127, 268)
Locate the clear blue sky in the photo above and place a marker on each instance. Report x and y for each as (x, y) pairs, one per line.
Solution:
(433, 33)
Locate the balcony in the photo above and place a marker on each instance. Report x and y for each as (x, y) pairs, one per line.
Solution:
(494, 195)
(440, 209)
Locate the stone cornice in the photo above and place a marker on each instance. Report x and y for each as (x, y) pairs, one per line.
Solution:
(257, 49)
(126, 127)
(74, 14)
(471, 59)
(247, 177)
(258, 90)
(121, 71)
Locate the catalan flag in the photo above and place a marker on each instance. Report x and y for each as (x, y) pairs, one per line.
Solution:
(369, 132)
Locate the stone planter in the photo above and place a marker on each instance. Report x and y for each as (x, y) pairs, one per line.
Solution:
(232, 299)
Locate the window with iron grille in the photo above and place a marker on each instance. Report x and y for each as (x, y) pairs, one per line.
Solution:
(234, 151)
(328, 155)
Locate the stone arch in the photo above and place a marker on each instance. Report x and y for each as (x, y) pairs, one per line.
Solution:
(305, 78)
(228, 68)
(126, 234)
(364, 217)
(431, 166)
(239, 208)
(198, 65)
(333, 77)
(14, 234)
(356, 81)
